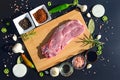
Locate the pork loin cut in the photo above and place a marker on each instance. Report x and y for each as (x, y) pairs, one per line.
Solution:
(61, 37)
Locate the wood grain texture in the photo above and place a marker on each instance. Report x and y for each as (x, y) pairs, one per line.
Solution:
(44, 32)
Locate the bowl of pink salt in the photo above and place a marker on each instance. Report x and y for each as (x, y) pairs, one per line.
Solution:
(79, 62)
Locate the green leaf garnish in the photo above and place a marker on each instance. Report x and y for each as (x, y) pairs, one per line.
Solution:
(91, 26)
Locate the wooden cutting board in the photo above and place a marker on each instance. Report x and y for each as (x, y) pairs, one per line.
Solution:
(44, 32)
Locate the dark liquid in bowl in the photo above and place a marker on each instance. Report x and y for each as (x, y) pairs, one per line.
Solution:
(91, 56)
(66, 68)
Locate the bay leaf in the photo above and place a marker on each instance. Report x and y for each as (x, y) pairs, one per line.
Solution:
(91, 26)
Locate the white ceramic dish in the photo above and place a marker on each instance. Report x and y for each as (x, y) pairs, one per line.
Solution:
(36, 9)
(19, 28)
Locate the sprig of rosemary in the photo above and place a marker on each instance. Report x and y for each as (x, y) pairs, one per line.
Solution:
(94, 42)
(28, 35)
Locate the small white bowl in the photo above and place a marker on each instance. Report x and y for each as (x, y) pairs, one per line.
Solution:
(18, 19)
(36, 9)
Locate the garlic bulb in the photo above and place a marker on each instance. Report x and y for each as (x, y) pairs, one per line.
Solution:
(17, 48)
(83, 8)
(54, 72)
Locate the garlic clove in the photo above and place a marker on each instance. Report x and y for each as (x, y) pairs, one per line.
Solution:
(14, 37)
(98, 37)
(89, 66)
(88, 15)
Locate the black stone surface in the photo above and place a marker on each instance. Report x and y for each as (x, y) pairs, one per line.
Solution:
(107, 67)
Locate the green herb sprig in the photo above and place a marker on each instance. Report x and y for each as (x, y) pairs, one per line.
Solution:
(28, 35)
(95, 42)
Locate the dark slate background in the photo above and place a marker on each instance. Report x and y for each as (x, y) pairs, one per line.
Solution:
(107, 67)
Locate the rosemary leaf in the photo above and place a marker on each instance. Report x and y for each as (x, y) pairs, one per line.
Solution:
(28, 35)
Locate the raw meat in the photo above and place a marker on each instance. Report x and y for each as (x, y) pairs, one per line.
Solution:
(61, 37)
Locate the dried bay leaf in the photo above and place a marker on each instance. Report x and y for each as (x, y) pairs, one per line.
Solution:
(91, 26)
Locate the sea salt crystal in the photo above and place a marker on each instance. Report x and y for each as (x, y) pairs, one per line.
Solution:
(108, 60)
(94, 72)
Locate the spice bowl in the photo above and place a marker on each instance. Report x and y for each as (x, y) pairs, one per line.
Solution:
(40, 15)
(23, 23)
(91, 56)
(79, 62)
(66, 69)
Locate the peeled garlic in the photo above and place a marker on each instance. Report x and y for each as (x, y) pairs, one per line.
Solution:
(98, 37)
(89, 66)
(14, 37)
(88, 15)
(17, 48)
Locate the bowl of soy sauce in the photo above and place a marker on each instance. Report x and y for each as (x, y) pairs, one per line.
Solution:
(91, 56)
